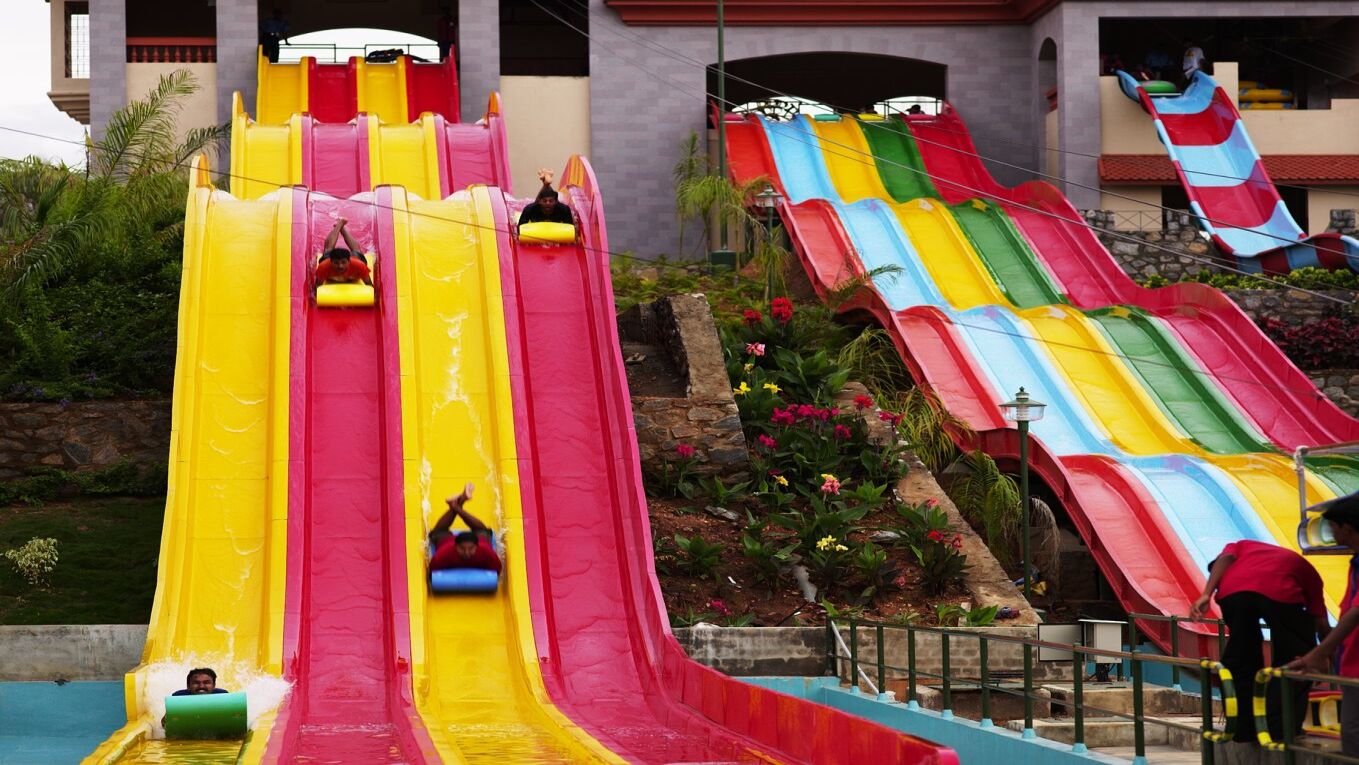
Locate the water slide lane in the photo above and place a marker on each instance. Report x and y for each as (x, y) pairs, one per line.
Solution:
(797, 160)
(898, 160)
(609, 659)
(1002, 248)
(1150, 432)
(748, 153)
(397, 92)
(477, 685)
(220, 583)
(346, 639)
(1245, 364)
(848, 159)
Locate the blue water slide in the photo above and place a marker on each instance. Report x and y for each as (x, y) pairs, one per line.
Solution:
(797, 152)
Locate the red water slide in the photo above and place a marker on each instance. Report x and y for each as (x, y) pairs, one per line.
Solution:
(333, 89)
(1146, 566)
(607, 656)
(1248, 367)
(346, 624)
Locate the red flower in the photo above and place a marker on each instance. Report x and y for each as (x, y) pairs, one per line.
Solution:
(935, 536)
(890, 418)
(863, 402)
(767, 442)
(806, 410)
(842, 432)
(931, 502)
(823, 415)
(685, 451)
(957, 543)
(721, 608)
(751, 317)
(783, 416)
(781, 309)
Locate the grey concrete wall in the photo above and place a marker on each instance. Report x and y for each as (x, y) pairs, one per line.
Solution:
(70, 652)
(237, 42)
(108, 61)
(644, 101)
(762, 651)
(479, 56)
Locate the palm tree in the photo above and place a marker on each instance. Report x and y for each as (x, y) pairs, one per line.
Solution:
(141, 138)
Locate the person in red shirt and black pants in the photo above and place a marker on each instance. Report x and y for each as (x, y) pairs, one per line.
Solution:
(1343, 516)
(470, 549)
(1254, 581)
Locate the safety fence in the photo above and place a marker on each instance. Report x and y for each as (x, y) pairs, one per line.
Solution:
(858, 648)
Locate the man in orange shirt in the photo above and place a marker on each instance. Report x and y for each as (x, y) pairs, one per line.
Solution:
(339, 264)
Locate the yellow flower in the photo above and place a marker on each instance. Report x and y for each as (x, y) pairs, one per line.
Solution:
(825, 543)
(780, 480)
(841, 548)
(828, 477)
(772, 388)
(747, 367)
(741, 390)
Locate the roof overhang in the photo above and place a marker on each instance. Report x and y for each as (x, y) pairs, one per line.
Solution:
(829, 12)
(1303, 169)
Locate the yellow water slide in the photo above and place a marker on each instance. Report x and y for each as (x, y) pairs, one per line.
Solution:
(849, 160)
(264, 157)
(947, 254)
(285, 89)
(220, 583)
(475, 668)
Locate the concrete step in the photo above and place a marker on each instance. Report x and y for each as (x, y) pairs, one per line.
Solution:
(1103, 732)
(1118, 698)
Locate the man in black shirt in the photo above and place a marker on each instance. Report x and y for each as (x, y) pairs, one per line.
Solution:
(546, 206)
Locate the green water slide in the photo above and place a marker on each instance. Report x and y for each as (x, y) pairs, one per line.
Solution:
(1341, 472)
(1186, 395)
(1003, 249)
(898, 160)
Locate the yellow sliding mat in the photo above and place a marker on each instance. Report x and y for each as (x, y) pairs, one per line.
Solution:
(477, 684)
(220, 582)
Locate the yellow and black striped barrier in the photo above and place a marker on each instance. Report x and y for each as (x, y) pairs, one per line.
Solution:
(1260, 708)
(1228, 701)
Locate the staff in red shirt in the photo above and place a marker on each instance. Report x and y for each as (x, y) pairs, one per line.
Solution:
(469, 549)
(1255, 581)
(1343, 516)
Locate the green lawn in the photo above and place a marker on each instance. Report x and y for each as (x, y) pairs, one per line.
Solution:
(106, 573)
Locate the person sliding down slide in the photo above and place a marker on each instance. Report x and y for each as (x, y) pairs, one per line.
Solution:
(469, 549)
(547, 207)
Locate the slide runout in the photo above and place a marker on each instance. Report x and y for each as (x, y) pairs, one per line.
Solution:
(897, 159)
(478, 688)
(848, 160)
(347, 635)
(1179, 387)
(220, 587)
(1249, 368)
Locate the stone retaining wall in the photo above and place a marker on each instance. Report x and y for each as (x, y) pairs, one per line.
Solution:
(1340, 386)
(81, 435)
(70, 652)
(1292, 307)
(706, 418)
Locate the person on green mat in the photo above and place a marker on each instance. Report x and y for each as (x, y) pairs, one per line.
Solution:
(469, 549)
(200, 681)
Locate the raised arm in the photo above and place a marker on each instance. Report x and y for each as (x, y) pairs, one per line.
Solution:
(334, 235)
(455, 510)
(349, 241)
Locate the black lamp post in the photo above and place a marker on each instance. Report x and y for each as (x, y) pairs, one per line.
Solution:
(769, 200)
(1024, 410)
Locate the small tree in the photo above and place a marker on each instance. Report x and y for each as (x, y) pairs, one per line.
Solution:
(35, 560)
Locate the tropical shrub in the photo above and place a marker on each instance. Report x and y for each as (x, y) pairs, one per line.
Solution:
(35, 560)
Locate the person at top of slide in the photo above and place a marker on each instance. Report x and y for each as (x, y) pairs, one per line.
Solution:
(469, 549)
(200, 681)
(1193, 62)
(338, 264)
(546, 207)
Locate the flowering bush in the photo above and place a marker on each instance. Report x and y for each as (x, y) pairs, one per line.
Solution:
(35, 560)
(1330, 343)
(675, 478)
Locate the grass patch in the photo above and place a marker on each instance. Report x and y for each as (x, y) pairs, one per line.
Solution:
(107, 570)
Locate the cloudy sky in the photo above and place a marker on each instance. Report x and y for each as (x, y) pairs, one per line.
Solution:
(23, 89)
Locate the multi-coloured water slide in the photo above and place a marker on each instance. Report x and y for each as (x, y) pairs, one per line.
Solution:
(312, 448)
(1229, 190)
(1169, 412)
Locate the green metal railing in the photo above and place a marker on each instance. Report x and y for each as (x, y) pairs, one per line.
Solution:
(1175, 623)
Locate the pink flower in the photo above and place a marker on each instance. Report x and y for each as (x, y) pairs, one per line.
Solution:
(685, 451)
(783, 416)
(751, 317)
(755, 349)
(834, 411)
(935, 536)
(767, 442)
(957, 543)
(781, 309)
(831, 486)
(806, 410)
(823, 414)
(890, 418)
(900, 581)
(842, 432)
(721, 608)
(863, 402)
(931, 503)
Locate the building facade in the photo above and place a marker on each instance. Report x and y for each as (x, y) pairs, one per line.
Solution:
(626, 81)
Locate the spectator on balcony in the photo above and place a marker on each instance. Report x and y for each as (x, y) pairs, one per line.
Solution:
(274, 30)
(1193, 63)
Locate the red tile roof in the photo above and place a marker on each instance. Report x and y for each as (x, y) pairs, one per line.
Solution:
(1310, 169)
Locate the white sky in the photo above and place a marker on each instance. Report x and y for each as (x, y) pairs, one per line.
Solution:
(24, 105)
(23, 89)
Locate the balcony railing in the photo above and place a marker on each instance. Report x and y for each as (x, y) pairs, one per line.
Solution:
(171, 50)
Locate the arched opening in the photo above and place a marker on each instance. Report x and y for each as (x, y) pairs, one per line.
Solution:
(1047, 90)
(337, 45)
(822, 82)
(305, 16)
